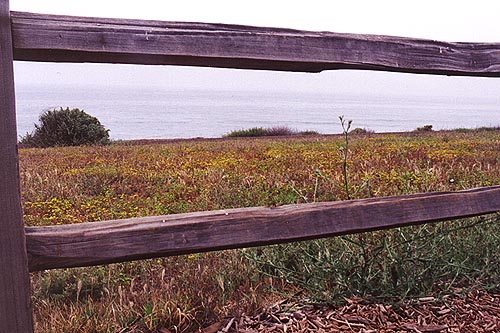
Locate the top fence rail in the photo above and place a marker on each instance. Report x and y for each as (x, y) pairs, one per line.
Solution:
(53, 38)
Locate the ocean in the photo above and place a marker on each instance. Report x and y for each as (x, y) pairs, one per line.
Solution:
(154, 113)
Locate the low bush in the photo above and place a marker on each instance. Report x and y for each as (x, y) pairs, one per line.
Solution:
(66, 127)
(308, 132)
(488, 129)
(396, 264)
(359, 130)
(270, 131)
(425, 128)
(250, 132)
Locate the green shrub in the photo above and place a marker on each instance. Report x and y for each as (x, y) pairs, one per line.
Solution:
(488, 129)
(361, 131)
(425, 128)
(309, 132)
(254, 131)
(66, 127)
(396, 264)
(270, 131)
(280, 131)
(478, 129)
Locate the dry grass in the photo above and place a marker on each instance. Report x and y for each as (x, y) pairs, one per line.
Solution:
(71, 185)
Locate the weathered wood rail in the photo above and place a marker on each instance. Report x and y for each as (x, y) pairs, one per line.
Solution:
(36, 37)
(94, 243)
(76, 39)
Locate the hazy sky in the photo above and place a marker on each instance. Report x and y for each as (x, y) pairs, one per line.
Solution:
(432, 19)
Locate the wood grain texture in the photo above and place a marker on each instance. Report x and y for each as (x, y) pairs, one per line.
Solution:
(124, 240)
(76, 39)
(15, 308)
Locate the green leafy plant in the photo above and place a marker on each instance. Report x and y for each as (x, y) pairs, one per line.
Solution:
(425, 128)
(270, 131)
(66, 127)
(361, 131)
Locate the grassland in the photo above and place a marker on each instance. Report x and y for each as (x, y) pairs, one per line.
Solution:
(72, 185)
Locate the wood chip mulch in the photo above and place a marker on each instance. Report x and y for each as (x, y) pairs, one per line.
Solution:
(474, 312)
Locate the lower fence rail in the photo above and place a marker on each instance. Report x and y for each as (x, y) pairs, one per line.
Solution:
(96, 243)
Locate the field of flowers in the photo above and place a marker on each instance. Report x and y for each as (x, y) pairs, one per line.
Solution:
(77, 184)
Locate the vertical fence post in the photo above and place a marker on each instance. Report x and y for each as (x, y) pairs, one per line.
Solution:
(15, 305)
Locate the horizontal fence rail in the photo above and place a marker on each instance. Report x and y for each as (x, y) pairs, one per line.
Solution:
(87, 244)
(38, 37)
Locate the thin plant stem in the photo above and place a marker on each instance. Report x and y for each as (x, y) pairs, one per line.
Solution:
(345, 153)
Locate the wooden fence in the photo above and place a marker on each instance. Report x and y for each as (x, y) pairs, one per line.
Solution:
(35, 37)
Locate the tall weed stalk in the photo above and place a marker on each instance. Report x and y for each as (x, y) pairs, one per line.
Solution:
(346, 126)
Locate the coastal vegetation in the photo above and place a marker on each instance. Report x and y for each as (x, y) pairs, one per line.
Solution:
(425, 128)
(66, 127)
(269, 131)
(93, 183)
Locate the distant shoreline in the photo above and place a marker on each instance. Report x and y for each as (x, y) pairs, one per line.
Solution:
(138, 142)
